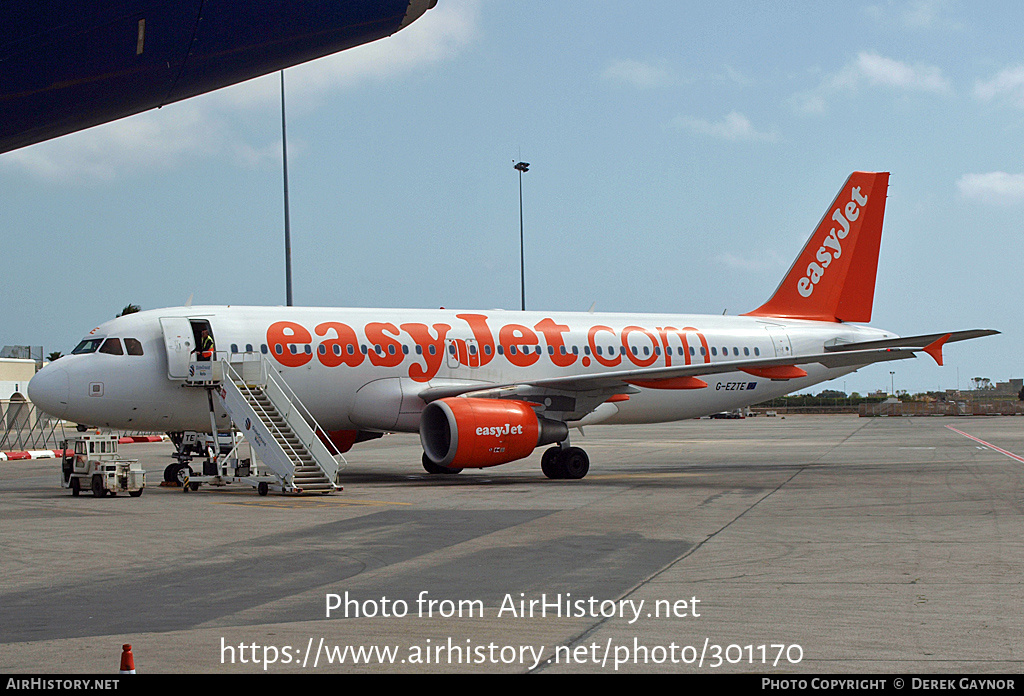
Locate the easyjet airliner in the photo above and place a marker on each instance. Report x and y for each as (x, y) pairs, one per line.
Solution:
(487, 387)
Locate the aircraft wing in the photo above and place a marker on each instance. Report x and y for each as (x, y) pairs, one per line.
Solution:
(589, 390)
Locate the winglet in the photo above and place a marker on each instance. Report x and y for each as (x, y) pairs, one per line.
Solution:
(934, 348)
(833, 279)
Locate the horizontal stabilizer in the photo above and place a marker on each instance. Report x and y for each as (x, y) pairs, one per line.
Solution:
(918, 342)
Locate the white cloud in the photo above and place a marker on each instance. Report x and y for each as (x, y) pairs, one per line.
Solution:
(994, 187)
(152, 140)
(877, 71)
(870, 70)
(437, 36)
(735, 126)
(1008, 85)
(635, 73)
(204, 126)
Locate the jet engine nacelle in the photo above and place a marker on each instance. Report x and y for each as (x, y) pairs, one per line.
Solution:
(462, 433)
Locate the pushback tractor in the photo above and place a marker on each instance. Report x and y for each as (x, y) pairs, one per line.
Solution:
(90, 462)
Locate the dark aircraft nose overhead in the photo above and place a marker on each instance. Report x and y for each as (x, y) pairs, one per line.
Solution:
(68, 65)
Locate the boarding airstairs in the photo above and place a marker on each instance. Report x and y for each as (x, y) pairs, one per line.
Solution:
(264, 409)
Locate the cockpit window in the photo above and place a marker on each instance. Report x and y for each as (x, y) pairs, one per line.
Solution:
(112, 346)
(133, 346)
(88, 345)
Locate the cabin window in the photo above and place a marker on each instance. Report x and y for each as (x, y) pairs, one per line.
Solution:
(433, 350)
(248, 348)
(757, 351)
(133, 346)
(112, 346)
(714, 351)
(746, 351)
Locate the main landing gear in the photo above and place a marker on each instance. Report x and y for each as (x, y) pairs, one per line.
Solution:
(565, 463)
(432, 468)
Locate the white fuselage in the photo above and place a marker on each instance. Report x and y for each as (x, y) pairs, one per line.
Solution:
(362, 369)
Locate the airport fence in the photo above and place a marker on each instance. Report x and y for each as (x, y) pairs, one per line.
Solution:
(943, 408)
(25, 427)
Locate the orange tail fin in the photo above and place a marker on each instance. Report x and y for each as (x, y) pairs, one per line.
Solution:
(833, 279)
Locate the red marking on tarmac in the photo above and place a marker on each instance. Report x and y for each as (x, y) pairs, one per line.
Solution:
(1011, 455)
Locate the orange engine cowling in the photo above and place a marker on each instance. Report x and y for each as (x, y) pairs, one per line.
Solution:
(464, 433)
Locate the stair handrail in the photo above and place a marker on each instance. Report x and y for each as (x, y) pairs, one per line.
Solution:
(244, 387)
(266, 375)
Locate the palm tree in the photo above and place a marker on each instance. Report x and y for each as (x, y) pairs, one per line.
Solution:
(130, 309)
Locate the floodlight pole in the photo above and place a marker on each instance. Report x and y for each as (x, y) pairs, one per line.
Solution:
(522, 167)
(287, 220)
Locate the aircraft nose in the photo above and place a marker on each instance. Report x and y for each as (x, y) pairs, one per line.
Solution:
(49, 390)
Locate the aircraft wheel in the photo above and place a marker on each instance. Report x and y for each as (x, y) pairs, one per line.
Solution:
(575, 463)
(550, 464)
(98, 491)
(182, 472)
(263, 488)
(432, 468)
(76, 487)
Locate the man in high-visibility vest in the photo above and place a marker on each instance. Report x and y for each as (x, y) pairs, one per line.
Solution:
(205, 349)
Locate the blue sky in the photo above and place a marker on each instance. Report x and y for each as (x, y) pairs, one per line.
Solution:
(681, 154)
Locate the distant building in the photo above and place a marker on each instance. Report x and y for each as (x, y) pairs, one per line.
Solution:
(1011, 388)
(14, 376)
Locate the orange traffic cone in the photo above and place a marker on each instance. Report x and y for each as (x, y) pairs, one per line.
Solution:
(127, 659)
